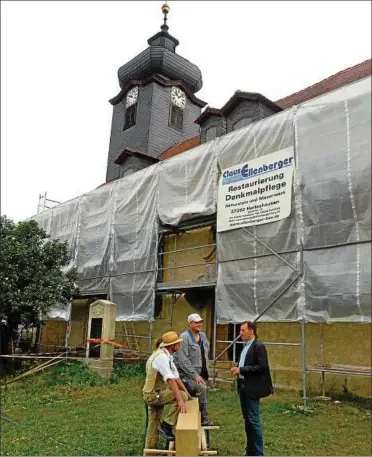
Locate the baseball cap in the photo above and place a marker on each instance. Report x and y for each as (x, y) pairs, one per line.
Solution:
(194, 318)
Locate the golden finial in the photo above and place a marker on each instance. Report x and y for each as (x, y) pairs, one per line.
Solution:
(165, 9)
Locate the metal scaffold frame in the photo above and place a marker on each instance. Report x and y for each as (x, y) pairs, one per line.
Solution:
(327, 224)
(164, 288)
(177, 290)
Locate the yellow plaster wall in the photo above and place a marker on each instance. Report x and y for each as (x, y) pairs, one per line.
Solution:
(346, 345)
(176, 309)
(198, 237)
(173, 317)
(79, 322)
(53, 334)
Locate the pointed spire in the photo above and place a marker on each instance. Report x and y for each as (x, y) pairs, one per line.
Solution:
(165, 9)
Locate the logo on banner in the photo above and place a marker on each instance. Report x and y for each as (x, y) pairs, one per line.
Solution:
(256, 192)
(244, 172)
(235, 175)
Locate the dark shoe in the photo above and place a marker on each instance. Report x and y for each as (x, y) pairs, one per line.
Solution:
(166, 430)
(206, 422)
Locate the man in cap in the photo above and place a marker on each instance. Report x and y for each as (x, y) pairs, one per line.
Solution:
(192, 362)
(163, 385)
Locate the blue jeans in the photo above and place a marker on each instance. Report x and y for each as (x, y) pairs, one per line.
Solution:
(253, 429)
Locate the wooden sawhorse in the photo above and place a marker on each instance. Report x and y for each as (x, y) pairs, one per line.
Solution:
(190, 435)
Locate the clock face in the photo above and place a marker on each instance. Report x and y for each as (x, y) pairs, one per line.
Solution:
(132, 96)
(178, 97)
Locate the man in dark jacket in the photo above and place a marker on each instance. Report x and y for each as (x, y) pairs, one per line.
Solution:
(254, 382)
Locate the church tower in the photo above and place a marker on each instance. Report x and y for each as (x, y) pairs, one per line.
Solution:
(156, 106)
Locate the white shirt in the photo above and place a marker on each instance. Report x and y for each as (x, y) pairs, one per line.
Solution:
(164, 364)
(243, 354)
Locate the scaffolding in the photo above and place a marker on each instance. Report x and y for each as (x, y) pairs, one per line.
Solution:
(179, 289)
(265, 273)
(45, 203)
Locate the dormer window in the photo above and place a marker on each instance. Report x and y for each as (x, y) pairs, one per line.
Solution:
(131, 108)
(242, 123)
(178, 103)
(210, 133)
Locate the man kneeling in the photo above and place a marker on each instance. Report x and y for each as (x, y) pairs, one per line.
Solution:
(163, 385)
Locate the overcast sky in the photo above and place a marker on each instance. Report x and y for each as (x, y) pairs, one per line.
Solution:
(59, 63)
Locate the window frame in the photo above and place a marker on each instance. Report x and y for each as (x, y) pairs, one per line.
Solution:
(126, 124)
(214, 127)
(173, 106)
(158, 307)
(240, 120)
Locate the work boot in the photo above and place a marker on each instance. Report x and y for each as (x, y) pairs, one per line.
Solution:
(166, 430)
(204, 415)
(206, 421)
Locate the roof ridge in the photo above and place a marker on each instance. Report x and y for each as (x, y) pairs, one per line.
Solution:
(323, 80)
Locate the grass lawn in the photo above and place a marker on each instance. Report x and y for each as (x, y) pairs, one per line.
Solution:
(76, 414)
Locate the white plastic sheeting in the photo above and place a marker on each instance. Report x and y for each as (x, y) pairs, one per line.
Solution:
(94, 242)
(64, 224)
(112, 232)
(331, 210)
(44, 219)
(334, 155)
(135, 245)
(264, 137)
(338, 284)
(246, 281)
(248, 287)
(59, 313)
(61, 222)
(188, 184)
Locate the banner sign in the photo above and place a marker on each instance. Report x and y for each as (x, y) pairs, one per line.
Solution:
(256, 192)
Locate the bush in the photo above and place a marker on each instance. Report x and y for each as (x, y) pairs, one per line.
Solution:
(74, 374)
(130, 369)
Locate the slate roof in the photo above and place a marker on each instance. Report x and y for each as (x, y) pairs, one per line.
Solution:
(340, 79)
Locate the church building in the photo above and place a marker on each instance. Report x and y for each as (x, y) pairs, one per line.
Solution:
(156, 116)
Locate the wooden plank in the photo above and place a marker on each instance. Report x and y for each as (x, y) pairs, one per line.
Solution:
(158, 452)
(333, 370)
(339, 367)
(41, 367)
(188, 430)
(203, 445)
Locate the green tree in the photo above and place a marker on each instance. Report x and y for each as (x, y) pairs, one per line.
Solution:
(34, 276)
